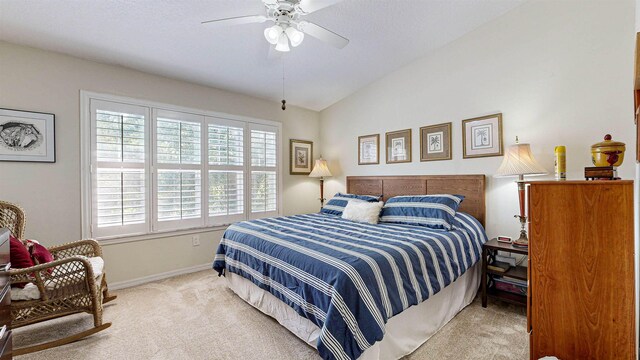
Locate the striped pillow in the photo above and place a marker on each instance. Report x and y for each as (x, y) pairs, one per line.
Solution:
(336, 205)
(433, 211)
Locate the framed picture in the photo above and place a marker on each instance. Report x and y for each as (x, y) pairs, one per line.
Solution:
(435, 142)
(398, 146)
(369, 149)
(482, 136)
(27, 136)
(300, 157)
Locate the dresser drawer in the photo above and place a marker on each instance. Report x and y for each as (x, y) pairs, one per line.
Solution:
(4, 246)
(4, 275)
(5, 263)
(6, 338)
(5, 306)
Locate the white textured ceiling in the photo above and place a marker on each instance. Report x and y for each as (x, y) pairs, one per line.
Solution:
(165, 37)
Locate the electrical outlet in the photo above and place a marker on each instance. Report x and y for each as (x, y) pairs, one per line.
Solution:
(195, 240)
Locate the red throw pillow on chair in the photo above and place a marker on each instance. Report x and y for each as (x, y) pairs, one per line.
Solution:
(19, 256)
(39, 253)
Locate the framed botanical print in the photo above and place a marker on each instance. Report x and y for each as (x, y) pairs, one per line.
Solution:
(398, 146)
(300, 157)
(27, 136)
(482, 136)
(369, 149)
(435, 142)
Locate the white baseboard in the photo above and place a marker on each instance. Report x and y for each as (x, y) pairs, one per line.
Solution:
(155, 277)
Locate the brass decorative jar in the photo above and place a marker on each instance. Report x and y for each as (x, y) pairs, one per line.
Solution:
(607, 152)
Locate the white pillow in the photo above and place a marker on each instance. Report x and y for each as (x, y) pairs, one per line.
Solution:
(362, 211)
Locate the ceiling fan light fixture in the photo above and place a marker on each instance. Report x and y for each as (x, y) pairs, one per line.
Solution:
(288, 27)
(273, 34)
(283, 43)
(294, 36)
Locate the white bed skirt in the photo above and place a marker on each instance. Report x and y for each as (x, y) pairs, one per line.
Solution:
(404, 333)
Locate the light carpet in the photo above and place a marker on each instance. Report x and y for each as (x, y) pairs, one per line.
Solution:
(196, 316)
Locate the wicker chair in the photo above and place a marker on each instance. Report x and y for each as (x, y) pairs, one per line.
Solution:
(67, 285)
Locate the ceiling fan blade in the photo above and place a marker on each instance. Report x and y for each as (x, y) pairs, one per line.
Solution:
(323, 34)
(309, 6)
(238, 20)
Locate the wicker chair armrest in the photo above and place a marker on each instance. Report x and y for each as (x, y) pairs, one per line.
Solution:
(85, 247)
(55, 274)
(50, 265)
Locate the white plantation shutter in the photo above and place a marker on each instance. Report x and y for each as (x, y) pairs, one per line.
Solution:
(178, 177)
(263, 148)
(179, 194)
(263, 191)
(120, 162)
(226, 171)
(148, 169)
(263, 169)
(121, 197)
(226, 144)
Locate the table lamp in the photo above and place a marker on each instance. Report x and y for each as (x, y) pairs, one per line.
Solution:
(518, 161)
(321, 170)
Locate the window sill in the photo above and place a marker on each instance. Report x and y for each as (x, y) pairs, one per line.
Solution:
(121, 239)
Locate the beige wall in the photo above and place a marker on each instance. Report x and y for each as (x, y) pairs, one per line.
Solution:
(37, 80)
(559, 71)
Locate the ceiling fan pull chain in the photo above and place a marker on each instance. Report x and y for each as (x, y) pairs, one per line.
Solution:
(284, 102)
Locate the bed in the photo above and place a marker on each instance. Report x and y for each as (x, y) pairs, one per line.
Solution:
(361, 291)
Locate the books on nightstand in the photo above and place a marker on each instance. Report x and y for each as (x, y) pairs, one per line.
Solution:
(507, 259)
(511, 285)
(499, 266)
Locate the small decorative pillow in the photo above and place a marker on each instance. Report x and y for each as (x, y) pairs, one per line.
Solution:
(39, 253)
(19, 254)
(362, 211)
(433, 211)
(336, 205)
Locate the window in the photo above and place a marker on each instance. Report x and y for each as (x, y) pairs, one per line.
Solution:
(226, 171)
(178, 150)
(120, 167)
(153, 169)
(263, 172)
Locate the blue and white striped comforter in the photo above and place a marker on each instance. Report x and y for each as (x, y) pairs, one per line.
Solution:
(348, 278)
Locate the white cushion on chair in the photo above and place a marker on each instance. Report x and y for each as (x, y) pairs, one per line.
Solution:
(97, 263)
(31, 292)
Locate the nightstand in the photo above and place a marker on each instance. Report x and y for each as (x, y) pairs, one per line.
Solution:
(488, 285)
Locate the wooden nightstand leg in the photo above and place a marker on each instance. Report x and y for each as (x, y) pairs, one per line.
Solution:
(483, 278)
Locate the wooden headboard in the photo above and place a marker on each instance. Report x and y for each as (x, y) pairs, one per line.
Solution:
(471, 186)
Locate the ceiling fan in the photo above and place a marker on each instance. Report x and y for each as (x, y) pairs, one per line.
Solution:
(289, 27)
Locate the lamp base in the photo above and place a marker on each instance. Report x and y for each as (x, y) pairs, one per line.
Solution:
(322, 199)
(522, 241)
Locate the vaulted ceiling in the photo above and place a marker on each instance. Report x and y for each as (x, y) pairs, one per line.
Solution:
(165, 37)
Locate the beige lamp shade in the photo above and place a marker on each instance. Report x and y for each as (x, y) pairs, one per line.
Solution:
(320, 169)
(519, 161)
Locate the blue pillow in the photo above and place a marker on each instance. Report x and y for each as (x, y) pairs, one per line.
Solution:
(433, 211)
(336, 205)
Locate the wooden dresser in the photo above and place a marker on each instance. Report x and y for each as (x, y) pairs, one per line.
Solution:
(581, 270)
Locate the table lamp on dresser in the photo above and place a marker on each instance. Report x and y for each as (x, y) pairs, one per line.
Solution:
(321, 170)
(518, 161)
